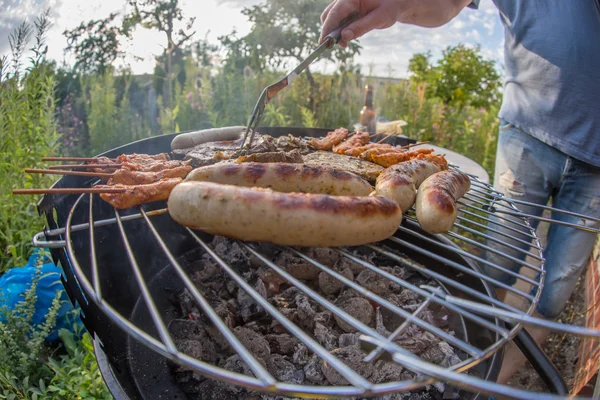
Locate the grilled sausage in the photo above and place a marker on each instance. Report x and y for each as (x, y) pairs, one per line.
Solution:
(292, 219)
(436, 200)
(400, 181)
(285, 177)
(191, 139)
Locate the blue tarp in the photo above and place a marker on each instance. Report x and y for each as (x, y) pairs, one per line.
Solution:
(15, 283)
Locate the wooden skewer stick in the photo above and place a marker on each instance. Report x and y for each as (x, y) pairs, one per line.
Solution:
(92, 159)
(69, 190)
(61, 172)
(84, 166)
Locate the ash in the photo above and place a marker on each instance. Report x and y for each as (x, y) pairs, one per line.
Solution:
(282, 354)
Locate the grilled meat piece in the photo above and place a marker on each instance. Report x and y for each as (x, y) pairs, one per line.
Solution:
(131, 177)
(213, 152)
(389, 159)
(139, 194)
(357, 151)
(365, 169)
(359, 139)
(273, 157)
(141, 158)
(330, 140)
(149, 165)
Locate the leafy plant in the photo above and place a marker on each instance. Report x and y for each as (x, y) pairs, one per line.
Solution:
(27, 133)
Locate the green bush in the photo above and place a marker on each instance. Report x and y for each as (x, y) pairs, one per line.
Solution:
(27, 133)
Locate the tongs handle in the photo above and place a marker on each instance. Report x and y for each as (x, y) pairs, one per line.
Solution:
(335, 35)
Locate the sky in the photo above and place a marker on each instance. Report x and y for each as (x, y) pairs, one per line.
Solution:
(385, 52)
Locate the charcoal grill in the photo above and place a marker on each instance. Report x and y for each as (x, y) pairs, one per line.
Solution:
(121, 267)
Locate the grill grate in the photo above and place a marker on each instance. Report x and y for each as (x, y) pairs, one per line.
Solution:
(465, 241)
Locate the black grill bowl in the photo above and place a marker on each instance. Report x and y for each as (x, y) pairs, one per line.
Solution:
(134, 371)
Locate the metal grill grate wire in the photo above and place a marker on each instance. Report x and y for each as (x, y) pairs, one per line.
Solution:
(478, 206)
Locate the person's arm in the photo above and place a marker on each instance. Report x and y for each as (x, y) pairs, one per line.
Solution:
(381, 14)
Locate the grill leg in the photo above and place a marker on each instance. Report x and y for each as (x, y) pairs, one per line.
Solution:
(540, 362)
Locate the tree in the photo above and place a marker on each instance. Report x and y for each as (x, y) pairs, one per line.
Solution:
(95, 44)
(461, 77)
(283, 34)
(163, 15)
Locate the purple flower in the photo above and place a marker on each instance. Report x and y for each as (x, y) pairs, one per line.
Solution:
(189, 95)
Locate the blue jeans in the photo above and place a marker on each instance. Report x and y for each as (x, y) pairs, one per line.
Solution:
(530, 170)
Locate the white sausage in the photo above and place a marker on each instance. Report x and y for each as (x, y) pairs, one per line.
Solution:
(284, 177)
(191, 139)
(291, 219)
(436, 200)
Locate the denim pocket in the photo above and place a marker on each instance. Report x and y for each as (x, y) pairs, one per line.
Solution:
(504, 125)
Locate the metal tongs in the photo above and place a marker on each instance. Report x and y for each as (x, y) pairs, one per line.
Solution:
(270, 91)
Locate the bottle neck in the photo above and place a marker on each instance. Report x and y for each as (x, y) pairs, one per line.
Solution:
(369, 99)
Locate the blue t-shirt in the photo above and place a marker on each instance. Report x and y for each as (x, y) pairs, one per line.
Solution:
(552, 72)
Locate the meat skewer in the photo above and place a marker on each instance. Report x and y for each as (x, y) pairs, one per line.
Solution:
(83, 166)
(134, 195)
(62, 172)
(82, 159)
(123, 176)
(103, 189)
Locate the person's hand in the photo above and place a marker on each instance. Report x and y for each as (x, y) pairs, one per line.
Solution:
(381, 14)
(375, 14)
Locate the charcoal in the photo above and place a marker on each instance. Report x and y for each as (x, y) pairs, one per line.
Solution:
(418, 341)
(271, 279)
(330, 285)
(312, 371)
(203, 350)
(235, 363)
(231, 253)
(300, 356)
(283, 370)
(186, 329)
(325, 318)
(351, 356)
(355, 267)
(297, 267)
(324, 255)
(207, 271)
(282, 344)
(441, 353)
(374, 282)
(325, 336)
(357, 307)
(386, 371)
(306, 313)
(254, 342)
(248, 307)
(348, 339)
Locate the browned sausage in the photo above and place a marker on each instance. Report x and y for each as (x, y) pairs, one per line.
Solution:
(292, 219)
(284, 177)
(400, 181)
(436, 200)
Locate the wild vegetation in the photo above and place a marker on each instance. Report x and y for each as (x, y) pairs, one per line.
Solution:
(91, 107)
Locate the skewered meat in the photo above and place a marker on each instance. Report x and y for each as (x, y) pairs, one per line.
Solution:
(436, 200)
(149, 165)
(357, 151)
(284, 177)
(400, 182)
(132, 177)
(139, 194)
(359, 139)
(294, 219)
(330, 140)
(141, 158)
(389, 159)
